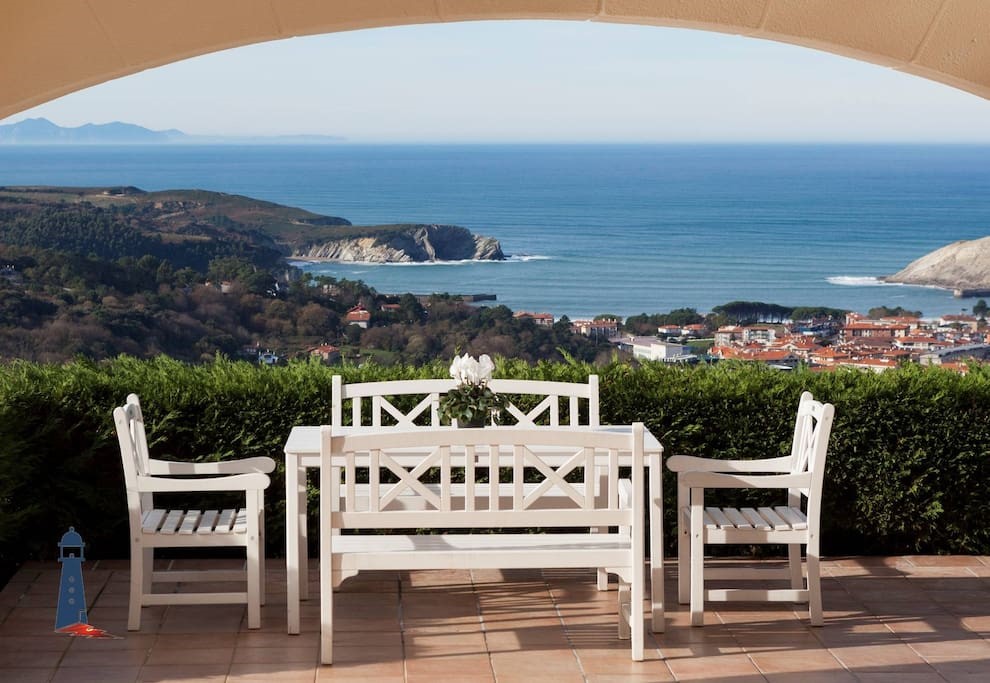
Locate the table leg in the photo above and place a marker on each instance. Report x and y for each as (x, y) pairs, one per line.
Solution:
(656, 543)
(303, 526)
(292, 540)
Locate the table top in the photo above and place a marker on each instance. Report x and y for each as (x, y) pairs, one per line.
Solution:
(304, 440)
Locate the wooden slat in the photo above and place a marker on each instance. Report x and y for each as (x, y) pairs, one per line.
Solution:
(737, 518)
(719, 518)
(445, 478)
(152, 521)
(190, 522)
(172, 521)
(793, 516)
(207, 522)
(469, 478)
(774, 519)
(240, 521)
(755, 519)
(225, 520)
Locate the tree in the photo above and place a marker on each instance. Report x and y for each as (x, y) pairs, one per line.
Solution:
(980, 309)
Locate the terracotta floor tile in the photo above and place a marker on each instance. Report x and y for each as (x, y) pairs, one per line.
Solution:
(76, 658)
(796, 661)
(735, 667)
(184, 673)
(544, 678)
(29, 659)
(875, 658)
(16, 675)
(52, 641)
(464, 666)
(536, 663)
(288, 672)
(811, 677)
(962, 644)
(192, 657)
(944, 560)
(961, 669)
(376, 670)
(926, 674)
(97, 674)
(277, 655)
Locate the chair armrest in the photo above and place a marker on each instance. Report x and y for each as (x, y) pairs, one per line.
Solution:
(243, 466)
(690, 463)
(255, 481)
(720, 480)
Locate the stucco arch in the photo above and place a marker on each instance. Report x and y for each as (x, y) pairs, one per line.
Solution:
(49, 48)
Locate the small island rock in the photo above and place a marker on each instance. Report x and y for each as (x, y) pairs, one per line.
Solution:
(963, 266)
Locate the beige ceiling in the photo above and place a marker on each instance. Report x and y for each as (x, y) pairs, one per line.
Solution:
(49, 48)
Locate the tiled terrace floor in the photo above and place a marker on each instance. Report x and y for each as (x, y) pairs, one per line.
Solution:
(897, 619)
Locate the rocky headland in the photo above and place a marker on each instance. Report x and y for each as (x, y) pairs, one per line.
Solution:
(193, 227)
(963, 267)
(407, 244)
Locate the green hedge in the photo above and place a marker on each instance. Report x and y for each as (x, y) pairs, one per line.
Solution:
(908, 463)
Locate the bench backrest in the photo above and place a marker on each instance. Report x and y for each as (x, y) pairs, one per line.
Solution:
(374, 403)
(551, 473)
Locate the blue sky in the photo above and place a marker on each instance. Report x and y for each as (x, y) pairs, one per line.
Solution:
(527, 81)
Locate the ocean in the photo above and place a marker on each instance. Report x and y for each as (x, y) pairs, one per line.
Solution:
(594, 229)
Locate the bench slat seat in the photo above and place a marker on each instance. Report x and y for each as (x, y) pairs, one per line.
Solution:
(478, 551)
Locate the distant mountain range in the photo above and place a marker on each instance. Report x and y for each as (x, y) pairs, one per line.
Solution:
(41, 131)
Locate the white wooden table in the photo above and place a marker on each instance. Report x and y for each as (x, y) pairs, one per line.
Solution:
(302, 451)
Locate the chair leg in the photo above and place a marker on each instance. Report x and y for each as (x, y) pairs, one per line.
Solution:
(624, 601)
(814, 588)
(253, 588)
(794, 565)
(261, 546)
(253, 569)
(148, 557)
(636, 610)
(138, 571)
(683, 549)
(697, 559)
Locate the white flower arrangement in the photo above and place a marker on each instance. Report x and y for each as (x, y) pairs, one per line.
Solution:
(471, 402)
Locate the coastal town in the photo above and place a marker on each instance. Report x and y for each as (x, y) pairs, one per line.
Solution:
(875, 344)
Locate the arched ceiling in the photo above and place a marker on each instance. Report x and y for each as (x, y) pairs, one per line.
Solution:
(49, 48)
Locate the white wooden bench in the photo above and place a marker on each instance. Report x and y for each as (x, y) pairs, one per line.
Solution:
(356, 502)
(556, 403)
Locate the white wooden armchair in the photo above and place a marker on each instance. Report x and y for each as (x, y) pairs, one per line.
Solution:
(801, 474)
(155, 527)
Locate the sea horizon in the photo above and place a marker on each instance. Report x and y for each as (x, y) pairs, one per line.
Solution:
(616, 228)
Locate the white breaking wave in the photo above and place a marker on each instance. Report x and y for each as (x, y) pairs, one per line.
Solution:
(856, 281)
(521, 258)
(869, 281)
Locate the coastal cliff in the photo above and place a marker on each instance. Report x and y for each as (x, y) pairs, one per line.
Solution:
(962, 266)
(407, 244)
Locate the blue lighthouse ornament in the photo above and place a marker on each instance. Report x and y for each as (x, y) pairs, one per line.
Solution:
(71, 597)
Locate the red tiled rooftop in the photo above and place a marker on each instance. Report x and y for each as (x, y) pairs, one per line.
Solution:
(886, 619)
